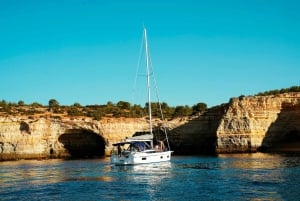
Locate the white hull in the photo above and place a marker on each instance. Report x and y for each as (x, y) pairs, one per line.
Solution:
(133, 158)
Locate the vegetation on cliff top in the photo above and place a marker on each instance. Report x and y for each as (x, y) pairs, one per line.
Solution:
(120, 109)
(279, 91)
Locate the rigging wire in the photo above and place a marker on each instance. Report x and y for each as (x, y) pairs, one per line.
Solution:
(151, 74)
(137, 69)
(157, 96)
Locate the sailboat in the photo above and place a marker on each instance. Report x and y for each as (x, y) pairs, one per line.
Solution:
(141, 149)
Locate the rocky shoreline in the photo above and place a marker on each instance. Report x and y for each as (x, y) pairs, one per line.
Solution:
(245, 124)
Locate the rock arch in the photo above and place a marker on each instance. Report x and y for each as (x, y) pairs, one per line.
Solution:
(82, 143)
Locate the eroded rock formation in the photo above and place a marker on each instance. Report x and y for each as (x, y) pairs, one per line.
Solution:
(260, 122)
(197, 135)
(245, 124)
(52, 137)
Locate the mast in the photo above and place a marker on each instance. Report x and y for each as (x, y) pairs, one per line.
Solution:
(148, 80)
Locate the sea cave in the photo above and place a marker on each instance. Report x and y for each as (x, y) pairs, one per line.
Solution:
(81, 143)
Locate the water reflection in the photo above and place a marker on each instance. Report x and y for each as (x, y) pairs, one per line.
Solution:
(145, 180)
(259, 161)
(264, 173)
(31, 172)
(226, 177)
(146, 173)
(103, 178)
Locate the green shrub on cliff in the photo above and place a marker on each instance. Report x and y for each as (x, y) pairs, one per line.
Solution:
(5, 107)
(54, 106)
(3, 103)
(199, 108)
(74, 111)
(181, 111)
(21, 103)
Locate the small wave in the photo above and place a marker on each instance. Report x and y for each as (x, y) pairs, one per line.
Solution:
(105, 179)
(206, 166)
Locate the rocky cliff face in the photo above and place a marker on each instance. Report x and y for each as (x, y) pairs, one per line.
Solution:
(197, 135)
(260, 122)
(245, 124)
(53, 137)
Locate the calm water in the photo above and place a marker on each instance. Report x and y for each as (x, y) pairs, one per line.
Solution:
(226, 177)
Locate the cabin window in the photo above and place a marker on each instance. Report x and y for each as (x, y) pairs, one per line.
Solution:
(144, 158)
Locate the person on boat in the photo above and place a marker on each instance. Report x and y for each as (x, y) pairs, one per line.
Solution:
(156, 148)
(161, 145)
(119, 150)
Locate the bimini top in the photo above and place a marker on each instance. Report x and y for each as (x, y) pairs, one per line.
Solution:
(145, 137)
(131, 140)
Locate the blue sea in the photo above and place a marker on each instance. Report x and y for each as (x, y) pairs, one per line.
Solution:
(224, 177)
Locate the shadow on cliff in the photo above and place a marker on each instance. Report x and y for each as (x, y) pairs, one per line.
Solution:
(283, 135)
(199, 135)
(81, 143)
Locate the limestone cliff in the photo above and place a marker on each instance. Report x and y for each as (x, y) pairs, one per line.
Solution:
(263, 122)
(245, 124)
(23, 137)
(197, 135)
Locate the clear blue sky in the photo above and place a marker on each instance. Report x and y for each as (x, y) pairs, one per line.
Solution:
(86, 51)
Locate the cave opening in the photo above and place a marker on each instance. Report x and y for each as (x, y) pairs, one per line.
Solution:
(82, 143)
(292, 136)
